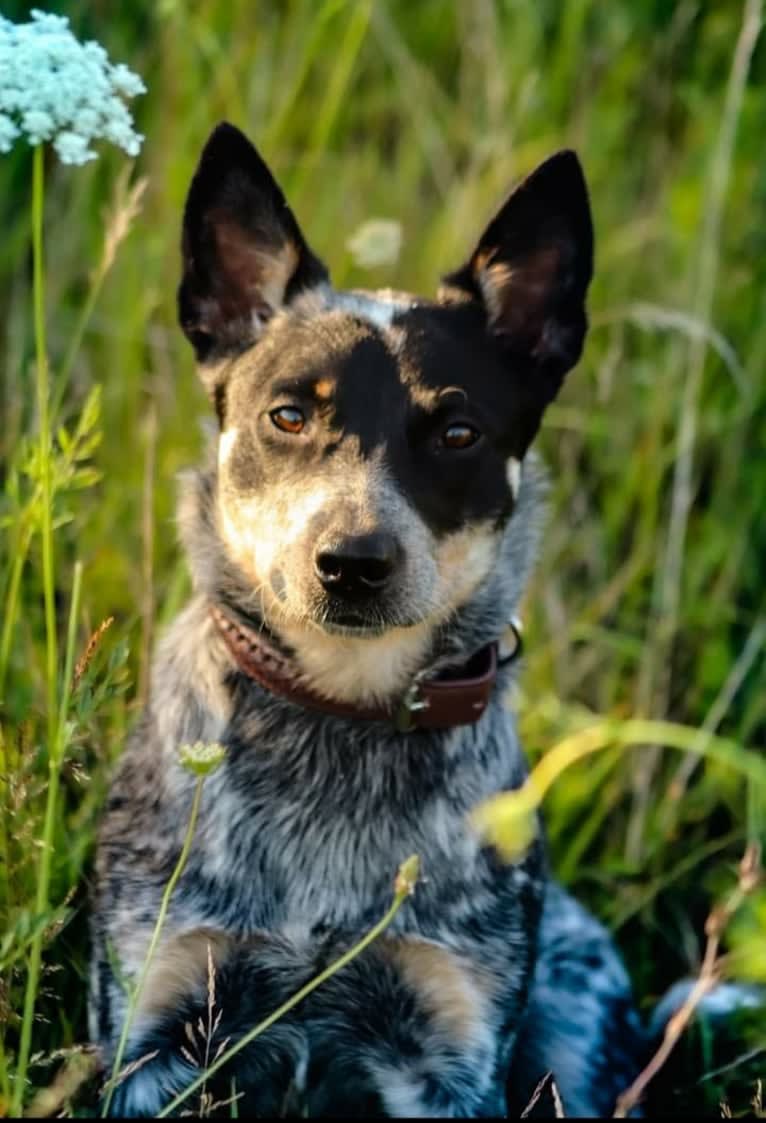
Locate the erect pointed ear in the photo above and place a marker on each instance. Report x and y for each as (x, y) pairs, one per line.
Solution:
(532, 267)
(243, 252)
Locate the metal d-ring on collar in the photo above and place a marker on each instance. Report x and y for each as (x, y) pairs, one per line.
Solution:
(412, 702)
(514, 625)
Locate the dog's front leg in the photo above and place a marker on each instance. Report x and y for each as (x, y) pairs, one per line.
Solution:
(205, 990)
(406, 1029)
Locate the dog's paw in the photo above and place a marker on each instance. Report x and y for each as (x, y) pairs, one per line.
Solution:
(402, 1031)
(151, 1085)
(205, 993)
(265, 1078)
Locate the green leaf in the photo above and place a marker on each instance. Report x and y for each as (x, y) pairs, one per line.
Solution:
(91, 412)
(64, 440)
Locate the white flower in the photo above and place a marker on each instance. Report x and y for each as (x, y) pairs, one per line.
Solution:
(376, 242)
(8, 133)
(72, 148)
(201, 758)
(38, 125)
(52, 87)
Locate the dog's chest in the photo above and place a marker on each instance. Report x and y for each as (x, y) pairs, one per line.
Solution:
(307, 827)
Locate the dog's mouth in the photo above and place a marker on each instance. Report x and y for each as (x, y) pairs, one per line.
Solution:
(359, 623)
(369, 617)
(352, 629)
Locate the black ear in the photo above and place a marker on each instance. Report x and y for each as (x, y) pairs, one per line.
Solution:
(532, 267)
(243, 252)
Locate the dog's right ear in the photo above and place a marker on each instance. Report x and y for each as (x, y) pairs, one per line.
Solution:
(531, 270)
(243, 252)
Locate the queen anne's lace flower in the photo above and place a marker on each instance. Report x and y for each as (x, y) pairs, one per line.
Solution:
(53, 87)
(202, 758)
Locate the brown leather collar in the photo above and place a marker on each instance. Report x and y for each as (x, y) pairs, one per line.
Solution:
(429, 703)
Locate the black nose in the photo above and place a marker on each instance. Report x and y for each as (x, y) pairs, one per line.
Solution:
(358, 566)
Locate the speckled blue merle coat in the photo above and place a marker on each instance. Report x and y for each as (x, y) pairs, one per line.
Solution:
(370, 501)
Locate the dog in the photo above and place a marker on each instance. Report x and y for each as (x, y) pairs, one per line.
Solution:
(359, 540)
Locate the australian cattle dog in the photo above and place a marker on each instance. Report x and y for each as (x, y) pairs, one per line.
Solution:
(359, 540)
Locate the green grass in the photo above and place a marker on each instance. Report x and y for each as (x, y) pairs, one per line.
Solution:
(642, 606)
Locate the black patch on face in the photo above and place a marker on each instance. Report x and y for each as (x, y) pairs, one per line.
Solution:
(395, 393)
(447, 356)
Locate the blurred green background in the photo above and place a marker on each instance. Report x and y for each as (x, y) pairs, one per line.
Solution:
(649, 596)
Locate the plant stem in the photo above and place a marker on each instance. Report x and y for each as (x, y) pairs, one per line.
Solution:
(20, 550)
(43, 404)
(493, 816)
(709, 974)
(636, 731)
(404, 887)
(71, 642)
(83, 319)
(125, 208)
(327, 112)
(5, 865)
(46, 532)
(55, 757)
(135, 995)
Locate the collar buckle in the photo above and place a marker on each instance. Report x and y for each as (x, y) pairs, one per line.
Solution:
(410, 704)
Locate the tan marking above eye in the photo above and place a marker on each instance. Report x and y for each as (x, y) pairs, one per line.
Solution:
(323, 388)
(460, 436)
(289, 419)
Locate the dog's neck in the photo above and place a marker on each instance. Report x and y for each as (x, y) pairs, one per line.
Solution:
(430, 702)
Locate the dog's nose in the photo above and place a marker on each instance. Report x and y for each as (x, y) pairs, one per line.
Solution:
(358, 566)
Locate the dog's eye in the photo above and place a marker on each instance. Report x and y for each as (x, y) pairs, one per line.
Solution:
(460, 436)
(288, 418)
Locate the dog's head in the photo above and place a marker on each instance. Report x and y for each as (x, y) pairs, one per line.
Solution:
(372, 444)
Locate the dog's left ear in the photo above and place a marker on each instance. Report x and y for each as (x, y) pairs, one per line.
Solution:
(244, 255)
(531, 270)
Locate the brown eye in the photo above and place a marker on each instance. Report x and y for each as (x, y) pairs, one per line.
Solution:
(460, 436)
(288, 419)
